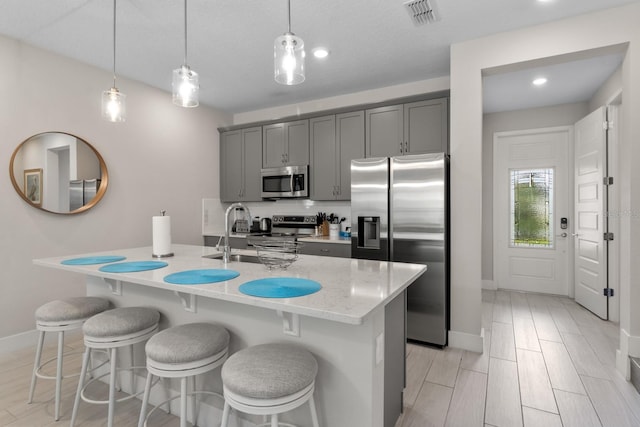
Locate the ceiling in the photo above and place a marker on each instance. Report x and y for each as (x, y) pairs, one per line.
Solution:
(372, 43)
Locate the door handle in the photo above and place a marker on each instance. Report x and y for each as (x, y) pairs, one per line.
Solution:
(575, 234)
(561, 235)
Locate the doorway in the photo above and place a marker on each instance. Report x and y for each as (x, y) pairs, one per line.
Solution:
(532, 205)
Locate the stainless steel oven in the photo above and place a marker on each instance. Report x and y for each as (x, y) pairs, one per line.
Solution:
(285, 182)
(286, 228)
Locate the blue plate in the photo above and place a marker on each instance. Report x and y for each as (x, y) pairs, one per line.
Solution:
(280, 287)
(199, 277)
(133, 266)
(90, 260)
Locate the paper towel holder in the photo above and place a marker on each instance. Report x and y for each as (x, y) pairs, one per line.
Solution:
(167, 255)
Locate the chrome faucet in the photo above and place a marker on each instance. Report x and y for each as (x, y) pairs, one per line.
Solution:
(226, 251)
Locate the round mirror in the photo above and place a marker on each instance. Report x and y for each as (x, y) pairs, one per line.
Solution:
(58, 172)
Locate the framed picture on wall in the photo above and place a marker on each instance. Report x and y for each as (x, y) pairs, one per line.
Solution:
(33, 185)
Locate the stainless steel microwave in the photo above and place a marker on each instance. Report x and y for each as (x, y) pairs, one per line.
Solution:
(285, 182)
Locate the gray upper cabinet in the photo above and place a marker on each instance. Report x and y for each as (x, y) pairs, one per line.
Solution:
(324, 168)
(240, 164)
(335, 141)
(426, 127)
(350, 140)
(285, 144)
(414, 128)
(384, 131)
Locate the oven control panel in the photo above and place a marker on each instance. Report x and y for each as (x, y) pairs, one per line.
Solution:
(293, 220)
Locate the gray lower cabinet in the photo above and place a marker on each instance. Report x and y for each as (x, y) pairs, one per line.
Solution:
(234, 242)
(335, 141)
(413, 128)
(240, 164)
(285, 144)
(326, 249)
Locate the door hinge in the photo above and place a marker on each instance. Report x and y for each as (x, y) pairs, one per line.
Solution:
(607, 292)
(607, 180)
(607, 236)
(605, 125)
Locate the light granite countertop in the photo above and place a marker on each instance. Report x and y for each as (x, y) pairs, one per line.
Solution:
(351, 288)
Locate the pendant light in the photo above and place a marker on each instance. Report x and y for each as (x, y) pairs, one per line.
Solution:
(114, 108)
(185, 80)
(288, 55)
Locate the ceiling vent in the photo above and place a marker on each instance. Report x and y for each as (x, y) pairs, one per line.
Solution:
(422, 11)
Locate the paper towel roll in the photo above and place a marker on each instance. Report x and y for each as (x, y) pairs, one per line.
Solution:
(161, 235)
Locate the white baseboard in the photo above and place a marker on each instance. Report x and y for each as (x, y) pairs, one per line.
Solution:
(465, 341)
(633, 343)
(489, 285)
(21, 341)
(623, 364)
(27, 339)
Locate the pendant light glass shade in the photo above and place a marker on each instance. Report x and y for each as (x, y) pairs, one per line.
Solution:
(114, 108)
(288, 54)
(185, 87)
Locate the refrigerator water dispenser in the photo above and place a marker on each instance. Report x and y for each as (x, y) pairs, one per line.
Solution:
(369, 232)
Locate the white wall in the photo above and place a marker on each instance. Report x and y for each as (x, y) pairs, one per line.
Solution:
(534, 118)
(609, 89)
(162, 157)
(357, 98)
(468, 60)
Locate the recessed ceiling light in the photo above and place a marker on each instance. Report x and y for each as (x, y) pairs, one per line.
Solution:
(320, 52)
(539, 81)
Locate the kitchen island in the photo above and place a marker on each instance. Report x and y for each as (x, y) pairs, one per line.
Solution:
(354, 325)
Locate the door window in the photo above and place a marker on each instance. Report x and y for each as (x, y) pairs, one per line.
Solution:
(531, 208)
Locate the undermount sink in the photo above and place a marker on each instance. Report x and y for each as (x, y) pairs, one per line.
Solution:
(237, 258)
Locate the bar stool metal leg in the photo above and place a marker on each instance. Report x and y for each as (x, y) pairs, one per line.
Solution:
(112, 388)
(36, 365)
(183, 402)
(83, 373)
(59, 375)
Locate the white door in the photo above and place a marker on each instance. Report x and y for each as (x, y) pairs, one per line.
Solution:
(590, 206)
(531, 198)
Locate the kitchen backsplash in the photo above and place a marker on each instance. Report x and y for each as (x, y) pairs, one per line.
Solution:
(213, 211)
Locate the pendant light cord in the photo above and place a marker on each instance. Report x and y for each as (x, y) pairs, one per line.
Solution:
(114, 43)
(289, 14)
(185, 32)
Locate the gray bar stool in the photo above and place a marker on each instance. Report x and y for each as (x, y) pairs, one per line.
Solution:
(181, 352)
(269, 379)
(60, 316)
(110, 330)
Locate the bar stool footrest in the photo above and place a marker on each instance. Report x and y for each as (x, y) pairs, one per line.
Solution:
(122, 399)
(55, 358)
(192, 393)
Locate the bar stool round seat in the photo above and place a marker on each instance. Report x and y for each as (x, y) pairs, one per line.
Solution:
(60, 316)
(110, 330)
(183, 352)
(269, 379)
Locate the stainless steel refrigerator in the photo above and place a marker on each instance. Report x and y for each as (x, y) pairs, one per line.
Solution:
(400, 212)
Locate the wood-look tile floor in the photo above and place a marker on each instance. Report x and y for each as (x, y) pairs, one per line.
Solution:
(15, 371)
(547, 362)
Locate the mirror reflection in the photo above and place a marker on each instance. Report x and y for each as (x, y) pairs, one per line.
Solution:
(58, 172)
